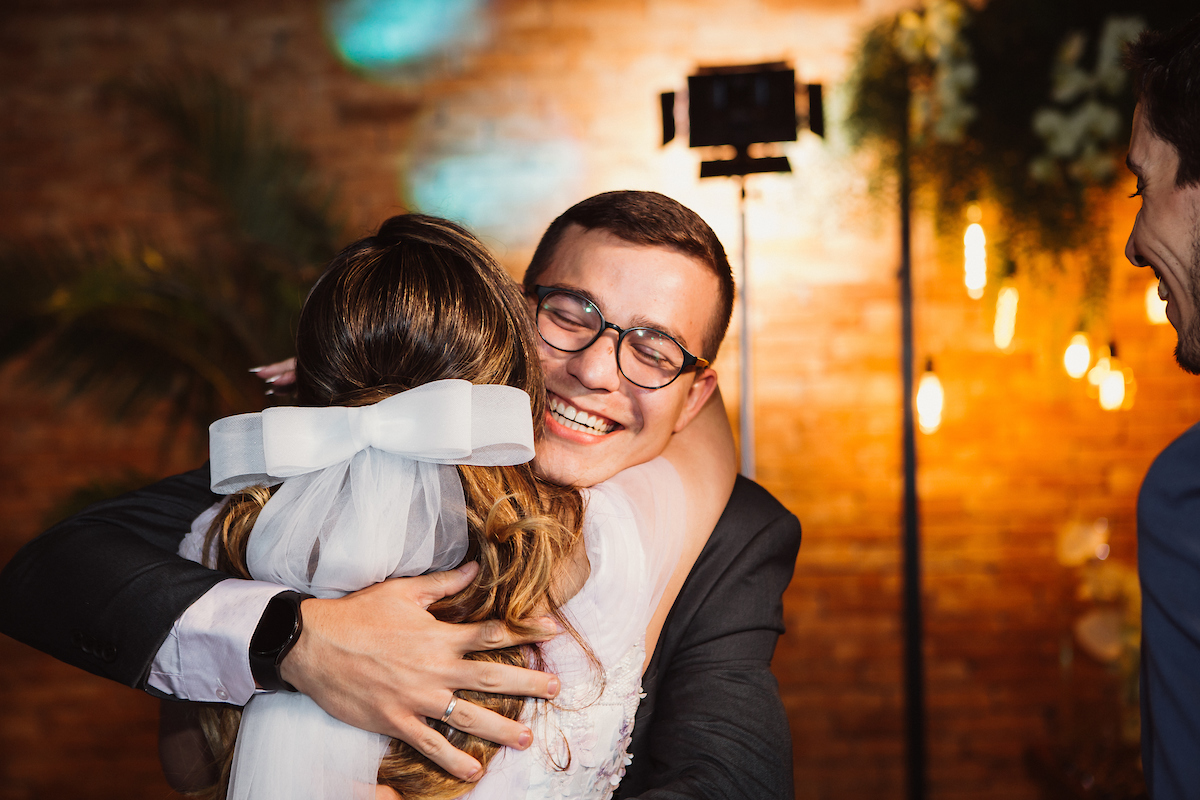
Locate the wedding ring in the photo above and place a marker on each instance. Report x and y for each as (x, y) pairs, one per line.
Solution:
(449, 709)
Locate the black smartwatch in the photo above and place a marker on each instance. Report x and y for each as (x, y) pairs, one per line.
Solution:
(276, 634)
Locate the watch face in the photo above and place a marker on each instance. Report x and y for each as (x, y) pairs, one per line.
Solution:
(277, 627)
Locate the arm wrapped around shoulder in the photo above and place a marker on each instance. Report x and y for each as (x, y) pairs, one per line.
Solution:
(102, 589)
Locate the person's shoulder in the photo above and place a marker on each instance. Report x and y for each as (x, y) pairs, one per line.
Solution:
(752, 508)
(1177, 467)
(749, 498)
(1185, 447)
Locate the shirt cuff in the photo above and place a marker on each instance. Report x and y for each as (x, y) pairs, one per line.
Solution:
(206, 657)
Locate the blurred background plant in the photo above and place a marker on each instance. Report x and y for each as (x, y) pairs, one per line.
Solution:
(132, 322)
(1022, 106)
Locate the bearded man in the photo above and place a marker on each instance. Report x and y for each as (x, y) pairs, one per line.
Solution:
(1164, 154)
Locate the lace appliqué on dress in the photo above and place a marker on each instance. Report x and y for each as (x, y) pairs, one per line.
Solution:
(597, 731)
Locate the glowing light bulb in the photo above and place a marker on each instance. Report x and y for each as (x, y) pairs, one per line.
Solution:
(974, 260)
(1078, 356)
(1098, 373)
(1156, 309)
(1114, 383)
(1112, 390)
(930, 400)
(1130, 389)
(1006, 318)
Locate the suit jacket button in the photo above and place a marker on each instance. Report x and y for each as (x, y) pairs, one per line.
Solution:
(108, 653)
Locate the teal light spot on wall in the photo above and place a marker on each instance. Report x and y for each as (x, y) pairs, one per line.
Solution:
(508, 190)
(385, 34)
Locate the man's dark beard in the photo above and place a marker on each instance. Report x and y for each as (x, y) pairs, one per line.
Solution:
(1187, 349)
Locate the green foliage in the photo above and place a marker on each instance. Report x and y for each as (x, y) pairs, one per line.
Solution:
(129, 322)
(1030, 58)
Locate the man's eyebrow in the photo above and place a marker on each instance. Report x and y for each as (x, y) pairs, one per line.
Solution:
(638, 320)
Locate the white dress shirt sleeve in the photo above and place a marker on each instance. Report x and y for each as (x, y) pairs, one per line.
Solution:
(206, 657)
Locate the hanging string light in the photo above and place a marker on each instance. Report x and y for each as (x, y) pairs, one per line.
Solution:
(1156, 307)
(974, 254)
(1112, 390)
(1112, 381)
(930, 400)
(1006, 317)
(1099, 372)
(1078, 356)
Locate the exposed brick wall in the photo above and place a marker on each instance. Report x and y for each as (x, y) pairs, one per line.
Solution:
(1022, 449)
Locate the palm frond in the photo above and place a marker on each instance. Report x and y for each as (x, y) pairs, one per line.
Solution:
(131, 323)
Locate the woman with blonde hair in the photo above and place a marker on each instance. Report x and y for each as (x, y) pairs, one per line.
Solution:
(419, 401)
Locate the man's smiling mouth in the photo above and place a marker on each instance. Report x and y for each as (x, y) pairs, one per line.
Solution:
(571, 417)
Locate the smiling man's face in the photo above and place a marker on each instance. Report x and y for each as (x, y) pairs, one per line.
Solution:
(632, 285)
(1166, 235)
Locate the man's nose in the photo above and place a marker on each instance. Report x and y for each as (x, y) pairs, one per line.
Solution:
(1131, 249)
(596, 367)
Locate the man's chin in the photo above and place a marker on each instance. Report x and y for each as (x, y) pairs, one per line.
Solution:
(1187, 355)
(1187, 346)
(576, 460)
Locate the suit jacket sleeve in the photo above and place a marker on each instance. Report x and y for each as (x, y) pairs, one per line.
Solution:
(102, 589)
(712, 724)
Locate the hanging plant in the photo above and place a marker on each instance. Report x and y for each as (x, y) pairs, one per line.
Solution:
(131, 321)
(1022, 104)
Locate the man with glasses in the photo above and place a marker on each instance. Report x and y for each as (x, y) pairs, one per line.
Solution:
(624, 286)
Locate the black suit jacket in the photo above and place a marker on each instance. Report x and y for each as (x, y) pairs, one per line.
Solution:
(101, 591)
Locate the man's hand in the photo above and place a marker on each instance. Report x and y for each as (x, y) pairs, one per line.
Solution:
(378, 660)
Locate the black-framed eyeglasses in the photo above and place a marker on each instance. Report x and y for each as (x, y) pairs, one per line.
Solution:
(648, 358)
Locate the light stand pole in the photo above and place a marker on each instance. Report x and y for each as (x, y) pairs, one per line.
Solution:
(914, 659)
(746, 416)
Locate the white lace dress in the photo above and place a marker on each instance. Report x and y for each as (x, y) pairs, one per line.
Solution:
(633, 534)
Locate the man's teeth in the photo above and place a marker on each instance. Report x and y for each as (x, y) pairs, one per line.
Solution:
(570, 417)
(1162, 289)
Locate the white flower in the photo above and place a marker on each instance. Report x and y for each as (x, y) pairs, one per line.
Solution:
(1080, 135)
(934, 36)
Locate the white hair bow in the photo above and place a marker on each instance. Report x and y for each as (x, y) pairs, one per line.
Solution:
(443, 422)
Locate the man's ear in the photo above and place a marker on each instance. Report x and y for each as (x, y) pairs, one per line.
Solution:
(703, 385)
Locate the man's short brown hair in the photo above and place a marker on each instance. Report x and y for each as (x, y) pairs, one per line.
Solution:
(653, 219)
(1166, 82)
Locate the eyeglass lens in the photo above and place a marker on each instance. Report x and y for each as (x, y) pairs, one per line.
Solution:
(647, 357)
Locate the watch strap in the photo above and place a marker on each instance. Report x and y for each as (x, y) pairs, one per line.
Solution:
(277, 632)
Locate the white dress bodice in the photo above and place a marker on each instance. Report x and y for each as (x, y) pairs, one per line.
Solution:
(633, 529)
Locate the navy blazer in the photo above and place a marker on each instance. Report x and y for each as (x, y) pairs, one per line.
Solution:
(1169, 568)
(101, 591)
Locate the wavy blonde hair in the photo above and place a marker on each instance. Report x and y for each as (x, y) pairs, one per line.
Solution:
(420, 301)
